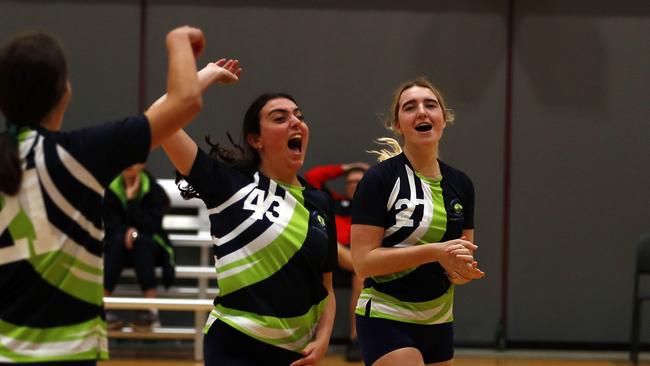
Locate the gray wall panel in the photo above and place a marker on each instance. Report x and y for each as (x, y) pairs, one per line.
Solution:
(342, 66)
(580, 178)
(101, 43)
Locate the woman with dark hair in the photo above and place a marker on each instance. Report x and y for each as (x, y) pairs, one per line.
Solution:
(411, 237)
(274, 240)
(51, 188)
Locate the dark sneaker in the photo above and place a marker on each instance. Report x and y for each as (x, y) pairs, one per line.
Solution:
(145, 321)
(352, 351)
(113, 322)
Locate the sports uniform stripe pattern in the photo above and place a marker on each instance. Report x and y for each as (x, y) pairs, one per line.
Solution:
(272, 244)
(65, 255)
(417, 209)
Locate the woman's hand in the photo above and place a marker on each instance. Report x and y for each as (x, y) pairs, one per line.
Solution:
(457, 279)
(228, 71)
(456, 257)
(313, 352)
(222, 71)
(195, 36)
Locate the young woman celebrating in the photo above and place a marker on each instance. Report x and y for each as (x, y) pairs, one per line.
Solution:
(411, 238)
(274, 239)
(51, 188)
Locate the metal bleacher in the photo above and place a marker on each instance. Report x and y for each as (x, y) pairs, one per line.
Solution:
(188, 226)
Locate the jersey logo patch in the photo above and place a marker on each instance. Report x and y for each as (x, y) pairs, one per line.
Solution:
(458, 208)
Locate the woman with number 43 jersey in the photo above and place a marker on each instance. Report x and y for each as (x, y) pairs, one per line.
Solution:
(274, 239)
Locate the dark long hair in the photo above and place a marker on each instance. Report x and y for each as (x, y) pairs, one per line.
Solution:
(241, 156)
(33, 77)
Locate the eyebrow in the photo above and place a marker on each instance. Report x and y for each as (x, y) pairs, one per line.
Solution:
(426, 100)
(280, 110)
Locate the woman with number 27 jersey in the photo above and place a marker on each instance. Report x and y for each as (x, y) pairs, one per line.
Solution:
(411, 238)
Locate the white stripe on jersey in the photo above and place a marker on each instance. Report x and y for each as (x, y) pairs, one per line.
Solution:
(250, 220)
(8, 212)
(236, 270)
(402, 313)
(256, 328)
(393, 195)
(49, 238)
(61, 202)
(297, 344)
(285, 210)
(50, 349)
(18, 251)
(87, 276)
(82, 255)
(427, 217)
(236, 197)
(78, 171)
(31, 199)
(404, 217)
(405, 313)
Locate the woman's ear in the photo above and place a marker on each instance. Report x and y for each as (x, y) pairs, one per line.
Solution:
(397, 128)
(255, 141)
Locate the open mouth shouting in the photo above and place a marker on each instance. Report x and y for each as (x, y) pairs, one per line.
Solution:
(295, 143)
(423, 127)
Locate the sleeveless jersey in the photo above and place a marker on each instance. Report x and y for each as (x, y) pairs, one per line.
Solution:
(51, 269)
(413, 210)
(272, 243)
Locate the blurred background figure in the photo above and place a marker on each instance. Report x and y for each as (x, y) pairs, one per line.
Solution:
(132, 210)
(344, 276)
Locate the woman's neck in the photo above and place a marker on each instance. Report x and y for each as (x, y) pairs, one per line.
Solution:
(424, 160)
(288, 177)
(53, 120)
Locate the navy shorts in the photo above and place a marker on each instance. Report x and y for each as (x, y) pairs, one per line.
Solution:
(378, 337)
(226, 346)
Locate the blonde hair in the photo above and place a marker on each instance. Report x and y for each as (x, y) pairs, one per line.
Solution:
(393, 147)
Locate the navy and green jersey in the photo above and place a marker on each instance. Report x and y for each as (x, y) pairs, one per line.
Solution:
(272, 244)
(51, 287)
(412, 210)
(144, 213)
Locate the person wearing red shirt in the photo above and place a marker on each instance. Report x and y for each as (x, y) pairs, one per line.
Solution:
(352, 173)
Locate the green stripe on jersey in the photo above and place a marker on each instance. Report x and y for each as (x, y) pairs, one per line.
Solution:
(289, 333)
(71, 275)
(63, 271)
(84, 341)
(21, 226)
(434, 311)
(272, 257)
(438, 225)
(384, 306)
(296, 192)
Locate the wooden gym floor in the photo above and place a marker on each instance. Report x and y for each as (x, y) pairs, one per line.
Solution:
(463, 358)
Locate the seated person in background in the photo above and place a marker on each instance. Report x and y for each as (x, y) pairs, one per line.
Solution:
(352, 172)
(132, 210)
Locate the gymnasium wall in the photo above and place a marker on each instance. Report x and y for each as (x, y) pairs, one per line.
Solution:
(579, 172)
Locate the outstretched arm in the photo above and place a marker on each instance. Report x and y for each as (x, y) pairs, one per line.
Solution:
(180, 148)
(183, 100)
